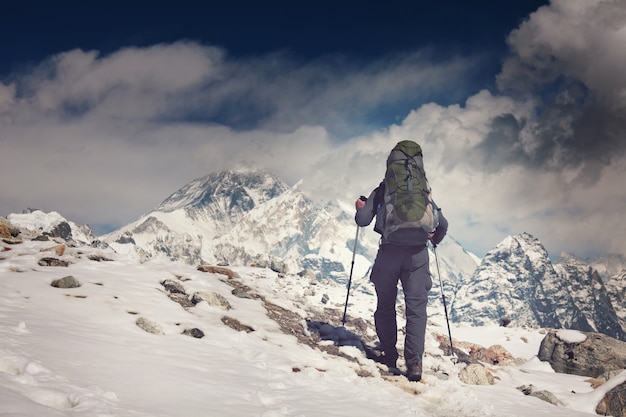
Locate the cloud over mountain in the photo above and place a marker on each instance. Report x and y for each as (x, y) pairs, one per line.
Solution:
(543, 153)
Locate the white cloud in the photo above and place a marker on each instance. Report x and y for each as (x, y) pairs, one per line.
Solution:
(105, 138)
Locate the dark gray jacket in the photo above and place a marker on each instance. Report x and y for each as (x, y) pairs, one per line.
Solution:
(365, 215)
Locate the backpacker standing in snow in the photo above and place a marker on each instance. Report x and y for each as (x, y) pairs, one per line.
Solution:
(407, 218)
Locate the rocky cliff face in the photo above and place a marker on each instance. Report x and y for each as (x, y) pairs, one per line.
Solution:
(516, 282)
(590, 294)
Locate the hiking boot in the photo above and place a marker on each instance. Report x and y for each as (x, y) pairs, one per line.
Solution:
(388, 360)
(377, 355)
(414, 372)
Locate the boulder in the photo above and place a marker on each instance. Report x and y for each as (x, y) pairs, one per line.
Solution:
(212, 299)
(598, 355)
(4, 231)
(476, 374)
(614, 402)
(66, 282)
(173, 287)
(7, 230)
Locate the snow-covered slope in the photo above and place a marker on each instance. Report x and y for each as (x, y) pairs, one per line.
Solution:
(80, 352)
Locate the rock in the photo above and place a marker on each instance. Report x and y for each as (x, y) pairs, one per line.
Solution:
(195, 332)
(495, 355)
(245, 292)
(475, 374)
(547, 396)
(212, 299)
(62, 230)
(4, 231)
(58, 249)
(278, 266)
(218, 270)
(236, 324)
(7, 230)
(544, 395)
(181, 299)
(308, 274)
(598, 355)
(52, 262)
(148, 326)
(11, 240)
(99, 258)
(614, 402)
(173, 287)
(66, 282)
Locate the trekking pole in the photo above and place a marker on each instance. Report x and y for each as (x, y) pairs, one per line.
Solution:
(443, 297)
(345, 309)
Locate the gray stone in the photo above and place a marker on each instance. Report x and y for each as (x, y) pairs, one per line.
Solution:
(173, 287)
(66, 282)
(195, 332)
(212, 299)
(52, 262)
(148, 326)
(597, 356)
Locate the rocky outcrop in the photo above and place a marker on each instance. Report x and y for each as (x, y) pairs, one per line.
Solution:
(597, 355)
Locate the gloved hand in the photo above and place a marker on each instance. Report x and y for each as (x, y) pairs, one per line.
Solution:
(360, 203)
(430, 237)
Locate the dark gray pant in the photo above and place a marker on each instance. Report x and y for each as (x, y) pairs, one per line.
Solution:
(409, 265)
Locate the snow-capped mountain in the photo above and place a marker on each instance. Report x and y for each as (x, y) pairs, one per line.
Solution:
(240, 218)
(517, 282)
(52, 225)
(591, 295)
(608, 265)
(252, 217)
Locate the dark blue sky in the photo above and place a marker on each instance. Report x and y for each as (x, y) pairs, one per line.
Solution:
(359, 29)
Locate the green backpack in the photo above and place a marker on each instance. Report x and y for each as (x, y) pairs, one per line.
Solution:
(408, 210)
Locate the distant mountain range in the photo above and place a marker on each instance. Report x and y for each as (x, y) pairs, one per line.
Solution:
(517, 282)
(252, 217)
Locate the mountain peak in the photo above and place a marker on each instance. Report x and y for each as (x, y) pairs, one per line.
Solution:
(238, 189)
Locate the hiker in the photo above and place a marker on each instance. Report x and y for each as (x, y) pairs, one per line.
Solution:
(402, 254)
